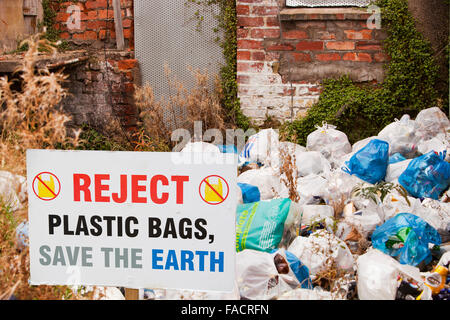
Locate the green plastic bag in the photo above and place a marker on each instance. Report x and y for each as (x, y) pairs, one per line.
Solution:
(260, 225)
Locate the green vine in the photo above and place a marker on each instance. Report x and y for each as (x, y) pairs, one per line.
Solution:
(227, 23)
(410, 80)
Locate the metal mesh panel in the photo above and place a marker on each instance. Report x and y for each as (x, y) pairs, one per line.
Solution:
(327, 3)
(165, 33)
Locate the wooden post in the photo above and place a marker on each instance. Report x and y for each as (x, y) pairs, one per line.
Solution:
(131, 294)
(118, 25)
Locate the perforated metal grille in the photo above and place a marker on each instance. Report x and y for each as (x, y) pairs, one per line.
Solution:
(327, 3)
(166, 33)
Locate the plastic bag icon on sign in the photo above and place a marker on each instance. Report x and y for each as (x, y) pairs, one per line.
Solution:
(213, 192)
(45, 191)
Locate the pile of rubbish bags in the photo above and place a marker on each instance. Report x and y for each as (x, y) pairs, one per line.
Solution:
(335, 221)
(366, 221)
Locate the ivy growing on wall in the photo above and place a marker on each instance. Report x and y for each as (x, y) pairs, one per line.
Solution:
(227, 23)
(363, 110)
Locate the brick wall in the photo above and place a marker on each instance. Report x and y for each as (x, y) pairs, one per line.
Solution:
(284, 54)
(101, 90)
(97, 23)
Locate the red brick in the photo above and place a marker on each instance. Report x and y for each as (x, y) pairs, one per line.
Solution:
(250, 66)
(127, 33)
(380, 57)
(298, 57)
(366, 45)
(362, 57)
(62, 17)
(272, 21)
(96, 24)
(249, 44)
(242, 33)
(258, 56)
(242, 10)
(341, 45)
(295, 34)
(280, 47)
(102, 34)
(96, 4)
(104, 14)
(326, 35)
(243, 55)
(359, 35)
(265, 10)
(127, 23)
(328, 57)
(309, 45)
(89, 15)
(243, 79)
(64, 35)
(88, 35)
(250, 21)
(265, 33)
(127, 64)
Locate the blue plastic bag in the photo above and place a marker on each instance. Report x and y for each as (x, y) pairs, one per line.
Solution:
(369, 163)
(396, 158)
(426, 176)
(406, 236)
(229, 148)
(300, 270)
(250, 193)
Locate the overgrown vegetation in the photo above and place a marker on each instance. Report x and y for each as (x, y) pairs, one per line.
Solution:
(29, 119)
(180, 110)
(227, 23)
(362, 110)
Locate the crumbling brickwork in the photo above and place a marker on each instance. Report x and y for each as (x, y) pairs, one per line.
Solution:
(284, 54)
(97, 23)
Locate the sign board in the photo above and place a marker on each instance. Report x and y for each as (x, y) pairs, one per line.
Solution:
(132, 219)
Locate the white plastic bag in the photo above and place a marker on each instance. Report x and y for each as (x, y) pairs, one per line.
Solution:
(203, 147)
(362, 143)
(340, 186)
(260, 147)
(258, 278)
(311, 186)
(314, 213)
(13, 189)
(377, 275)
(394, 170)
(319, 250)
(172, 294)
(332, 143)
(431, 122)
(276, 160)
(312, 162)
(401, 136)
(307, 294)
(268, 182)
(436, 214)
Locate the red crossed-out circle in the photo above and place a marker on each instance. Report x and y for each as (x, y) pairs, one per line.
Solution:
(54, 194)
(206, 182)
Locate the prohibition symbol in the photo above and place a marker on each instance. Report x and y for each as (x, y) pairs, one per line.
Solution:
(214, 189)
(46, 186)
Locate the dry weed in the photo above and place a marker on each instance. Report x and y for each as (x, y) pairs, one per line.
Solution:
(181, 109)
(31, 118)
(288, 174)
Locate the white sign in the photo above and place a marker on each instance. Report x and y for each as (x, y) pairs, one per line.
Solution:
(131, 219)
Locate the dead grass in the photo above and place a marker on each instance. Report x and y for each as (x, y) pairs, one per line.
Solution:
(181, 109)
(30, 119)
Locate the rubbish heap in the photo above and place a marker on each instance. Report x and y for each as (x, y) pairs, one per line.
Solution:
(335, 221)
(332, 221)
